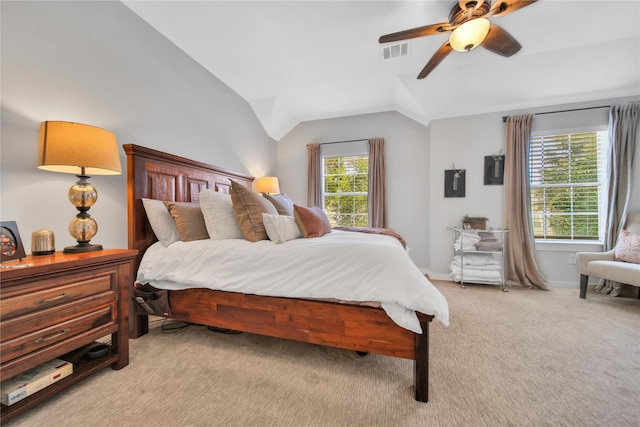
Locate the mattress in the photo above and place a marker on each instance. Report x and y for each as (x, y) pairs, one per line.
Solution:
(343, 265)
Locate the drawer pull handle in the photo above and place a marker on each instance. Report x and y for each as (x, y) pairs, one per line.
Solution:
(51, 337)
(44, 301)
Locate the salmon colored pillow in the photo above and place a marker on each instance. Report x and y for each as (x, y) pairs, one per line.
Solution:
(312, 221)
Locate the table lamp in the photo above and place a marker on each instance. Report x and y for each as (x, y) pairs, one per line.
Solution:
(267, 185)
(82, 150)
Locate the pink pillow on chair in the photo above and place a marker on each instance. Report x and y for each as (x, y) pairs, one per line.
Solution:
(628, 247)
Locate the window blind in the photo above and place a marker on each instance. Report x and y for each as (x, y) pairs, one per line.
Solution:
(567, 176)
(345, 190)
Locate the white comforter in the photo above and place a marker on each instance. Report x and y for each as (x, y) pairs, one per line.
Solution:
(343, 265)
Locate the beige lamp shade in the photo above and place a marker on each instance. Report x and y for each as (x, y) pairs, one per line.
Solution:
(79, 149)
(469, 35)
(267, 184)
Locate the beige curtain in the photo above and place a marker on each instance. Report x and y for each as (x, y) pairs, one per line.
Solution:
(624, 121)
(314, 175)
(377, 189)
(521, 268)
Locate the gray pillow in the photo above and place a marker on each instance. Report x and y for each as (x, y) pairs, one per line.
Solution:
(282, 203)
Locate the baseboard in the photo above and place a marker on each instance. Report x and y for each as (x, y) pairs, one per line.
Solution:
(441, 277)
(435, 276)
(552, 284)
(564, 285)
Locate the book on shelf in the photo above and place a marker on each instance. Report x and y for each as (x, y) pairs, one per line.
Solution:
(29, 382)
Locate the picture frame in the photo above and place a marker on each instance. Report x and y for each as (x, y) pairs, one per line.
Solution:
(454, 182)
(494, 170)
(10, 243)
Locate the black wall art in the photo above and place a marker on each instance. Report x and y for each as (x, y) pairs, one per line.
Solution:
(494, 170)
(454, 182)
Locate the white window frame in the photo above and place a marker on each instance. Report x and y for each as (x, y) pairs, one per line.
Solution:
(600, 183)
(333, 155)
(577, 120)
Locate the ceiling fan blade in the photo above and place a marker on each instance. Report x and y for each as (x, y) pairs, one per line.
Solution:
(427, 30)
(502, 7)
(500, 41)
(436, 59)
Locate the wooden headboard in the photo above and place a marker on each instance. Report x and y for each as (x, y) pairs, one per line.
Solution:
(157, 175)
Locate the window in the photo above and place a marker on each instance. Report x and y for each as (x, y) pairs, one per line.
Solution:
(567, 176)
(345, 190)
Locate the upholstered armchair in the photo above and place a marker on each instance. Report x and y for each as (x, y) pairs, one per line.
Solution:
(608, 265)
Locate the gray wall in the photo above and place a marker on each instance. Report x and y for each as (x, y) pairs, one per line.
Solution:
(465, 141)
(98, 63)
(416, 159)
(406, 150)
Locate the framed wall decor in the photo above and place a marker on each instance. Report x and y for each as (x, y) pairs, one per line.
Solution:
(494, 170)
(10, 242)
(454, 182)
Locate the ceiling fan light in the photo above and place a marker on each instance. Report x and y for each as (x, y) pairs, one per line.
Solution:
(469, 35)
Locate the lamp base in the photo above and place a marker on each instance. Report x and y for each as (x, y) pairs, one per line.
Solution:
(82, 247)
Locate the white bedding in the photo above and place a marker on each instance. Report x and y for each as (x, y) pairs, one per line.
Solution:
(340, 265)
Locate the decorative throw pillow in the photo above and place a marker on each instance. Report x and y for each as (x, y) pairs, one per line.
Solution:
(189, 220)
(249, 207)
(312, 221)
(628, 247)
(219, 217)
(161, 221)
(281, 228)
(282, 203)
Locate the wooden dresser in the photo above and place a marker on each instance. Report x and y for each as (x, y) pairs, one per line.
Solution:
(57, 306)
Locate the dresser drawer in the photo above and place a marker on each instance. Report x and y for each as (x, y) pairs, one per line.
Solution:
(43, 299)
(28, 323)
(44, 337)
(58, 304)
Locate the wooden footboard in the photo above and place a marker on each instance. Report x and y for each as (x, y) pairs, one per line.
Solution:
(346, 326)
(161, 176)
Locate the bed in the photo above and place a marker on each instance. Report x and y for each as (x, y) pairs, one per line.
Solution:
(152, 174)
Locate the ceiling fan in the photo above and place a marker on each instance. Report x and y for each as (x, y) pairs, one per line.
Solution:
(470, 27)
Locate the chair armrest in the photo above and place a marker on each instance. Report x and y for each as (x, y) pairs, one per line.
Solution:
(584, 257)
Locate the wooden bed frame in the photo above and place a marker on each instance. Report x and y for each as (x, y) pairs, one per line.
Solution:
(157, 175)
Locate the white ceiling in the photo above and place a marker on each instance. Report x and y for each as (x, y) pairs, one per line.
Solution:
(295, 61)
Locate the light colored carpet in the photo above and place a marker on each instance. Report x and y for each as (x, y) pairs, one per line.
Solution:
(521, 358)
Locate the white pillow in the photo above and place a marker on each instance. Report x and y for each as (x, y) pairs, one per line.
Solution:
(161, 221)
(281, 228)
(219, 217)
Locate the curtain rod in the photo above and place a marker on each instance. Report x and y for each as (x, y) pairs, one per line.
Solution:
(504, 118)
(342, 142)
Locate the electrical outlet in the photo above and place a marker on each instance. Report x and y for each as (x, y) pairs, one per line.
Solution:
(572, 258)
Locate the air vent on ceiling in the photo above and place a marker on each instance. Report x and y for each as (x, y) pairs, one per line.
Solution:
(395, 50)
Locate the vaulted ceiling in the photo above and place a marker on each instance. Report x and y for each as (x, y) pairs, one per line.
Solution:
(295, 61)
